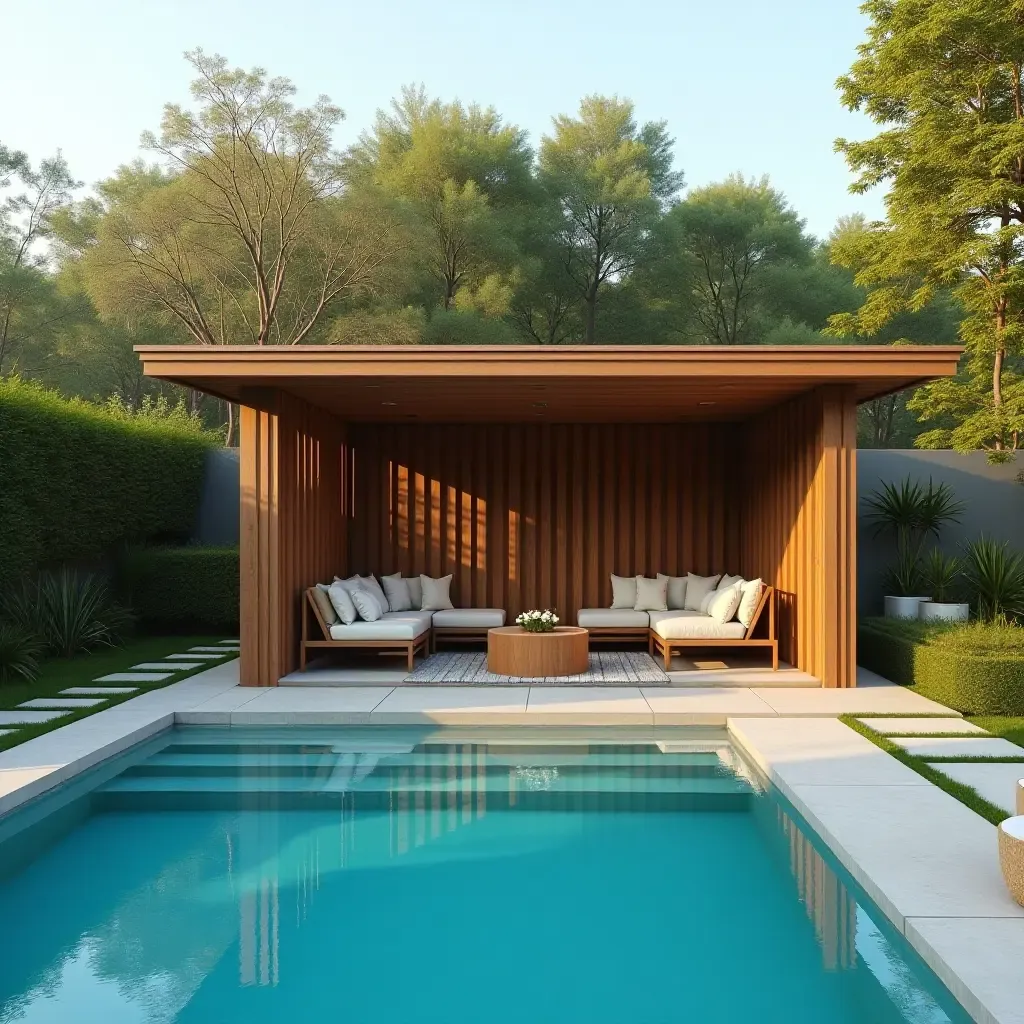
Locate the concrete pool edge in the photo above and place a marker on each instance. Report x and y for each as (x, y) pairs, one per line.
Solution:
(928, 862)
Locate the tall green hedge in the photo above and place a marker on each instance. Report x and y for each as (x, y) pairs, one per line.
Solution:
(172, 588)
(76, 481)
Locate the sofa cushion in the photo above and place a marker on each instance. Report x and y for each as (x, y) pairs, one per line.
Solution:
(340, 595)
(690, 625)
(676, 592)
(697, 588)
(397, 591)
(726, 602)
(390, 626)
(324, 606)
(415, 591)
(618, 618)
(369, 607)
(484, 618)
(729, 581)
(436, 595)
(651, 595)
(748, 602)
(623, 591)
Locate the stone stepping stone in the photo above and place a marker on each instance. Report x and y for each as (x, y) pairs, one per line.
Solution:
(166, 666)
(66, 702)
(193, 655)
(997, 783)
(909, 726)
(235, 642)
(960, 746)
(134, 677)
(29, 717)
(87, 691)
(219, 650)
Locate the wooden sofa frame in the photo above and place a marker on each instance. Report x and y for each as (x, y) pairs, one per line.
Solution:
(458, 635)
(657, 643)
(419, 645)
(618, 634)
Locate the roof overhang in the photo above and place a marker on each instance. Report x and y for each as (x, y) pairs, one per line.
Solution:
(519, 383)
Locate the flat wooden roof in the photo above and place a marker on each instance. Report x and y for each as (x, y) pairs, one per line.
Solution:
(530, 383)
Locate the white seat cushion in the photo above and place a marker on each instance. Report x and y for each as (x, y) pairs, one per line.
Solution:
(390, 626)
(489, 618)
(689, 625)
(616, 617)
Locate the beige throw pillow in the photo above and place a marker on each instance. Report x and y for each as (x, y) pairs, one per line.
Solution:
(748, 602)
(697, 588)
(651, 595)
(324, 606)
(724, 604)
(397, 591)
(676, 596)
(435, 593)
(623, 591)
(367, 605)
(728, 581)
(415, 592)
(370, 583)
(340, 594)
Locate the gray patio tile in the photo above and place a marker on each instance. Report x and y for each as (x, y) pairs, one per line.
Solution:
(29, 717)
(996, 783)
(166, 666)
(709, 705)
(219, 650)
(65, 702)
(134, 677)
(194, 656)
(88, 691)
(588, 705)
(858, 700)
(957, 746)
(468, 705)
(895, 726)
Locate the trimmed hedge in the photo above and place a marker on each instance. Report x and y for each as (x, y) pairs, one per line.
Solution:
(76, 480)
(976, 669)
(173, 588)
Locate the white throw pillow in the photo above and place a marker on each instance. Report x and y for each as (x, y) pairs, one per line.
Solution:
(367, 605)
(676, 596)
(728, 581)
(697, 588)
(651, 595)
(724, 603)
(370, 583)
(397, 591)
(706, 600)
(340, 597)
(623, 591)
(435, 593)
(748, 602)
(415, 591)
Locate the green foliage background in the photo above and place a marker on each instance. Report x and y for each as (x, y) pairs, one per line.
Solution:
(77, 480)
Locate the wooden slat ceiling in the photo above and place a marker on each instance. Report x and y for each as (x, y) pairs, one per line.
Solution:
(535, 384)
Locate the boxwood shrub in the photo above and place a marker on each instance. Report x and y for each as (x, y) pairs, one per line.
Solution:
(179, 588)
(977, 669)
(76, 481)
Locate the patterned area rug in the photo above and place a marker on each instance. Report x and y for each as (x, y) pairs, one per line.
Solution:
(607, 668)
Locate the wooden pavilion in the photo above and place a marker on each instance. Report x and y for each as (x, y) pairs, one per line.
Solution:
(533, 473)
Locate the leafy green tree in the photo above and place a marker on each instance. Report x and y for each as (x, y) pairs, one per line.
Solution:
(611, 180)
(945, 80)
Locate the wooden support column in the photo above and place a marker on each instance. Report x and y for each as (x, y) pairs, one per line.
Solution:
(292, 528)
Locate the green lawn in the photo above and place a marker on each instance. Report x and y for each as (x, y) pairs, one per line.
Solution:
(59, 673)
(1011, 729)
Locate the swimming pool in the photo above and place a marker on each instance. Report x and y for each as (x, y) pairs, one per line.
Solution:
(399, 875)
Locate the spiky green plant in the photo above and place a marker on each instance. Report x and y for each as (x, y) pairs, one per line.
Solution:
(995, 575)
(19, 654)
(942, 575)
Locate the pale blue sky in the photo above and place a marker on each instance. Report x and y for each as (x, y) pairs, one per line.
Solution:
(744, 85)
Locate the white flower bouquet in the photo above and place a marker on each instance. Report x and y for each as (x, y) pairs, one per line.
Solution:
(537, 621)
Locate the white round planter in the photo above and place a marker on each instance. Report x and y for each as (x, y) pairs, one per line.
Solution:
(935, 611)
(903, 607)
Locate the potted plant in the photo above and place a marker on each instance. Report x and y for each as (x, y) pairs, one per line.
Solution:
(942, 575)
(995, 579)
(536, 621)
(912, 513)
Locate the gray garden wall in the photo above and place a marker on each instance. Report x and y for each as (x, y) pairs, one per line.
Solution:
(994, 500)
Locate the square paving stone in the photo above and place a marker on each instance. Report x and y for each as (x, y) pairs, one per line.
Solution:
(29, 717)
(997, 783)
(193, 655)
(65, 702)
(87, 691)
(134, 677)
(166, 666)
(898, 726)
(235, 642)
(218, 650)
(960, 746)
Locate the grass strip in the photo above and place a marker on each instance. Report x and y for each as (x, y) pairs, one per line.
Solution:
(967, 795)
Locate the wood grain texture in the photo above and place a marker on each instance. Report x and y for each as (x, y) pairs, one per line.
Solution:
(294, 475)
(538, 516)
(512, 651)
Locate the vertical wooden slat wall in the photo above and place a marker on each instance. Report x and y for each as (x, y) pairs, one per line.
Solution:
(538, 515)
(798, 530)
(295, 493)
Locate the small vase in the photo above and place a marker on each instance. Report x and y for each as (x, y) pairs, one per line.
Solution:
(903, 607)
(945, 611)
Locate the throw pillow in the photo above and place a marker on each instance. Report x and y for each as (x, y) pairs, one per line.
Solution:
(367, 605)
(697, 588)
(623, 591)
(435, 593)
(341, 597)
(324, 606)
(705, 603)
(370, 583)
(415, 591)
(397, 591)
(751, 594)
(728, 581)
(651, 595)
(724, 604)
(676, 597)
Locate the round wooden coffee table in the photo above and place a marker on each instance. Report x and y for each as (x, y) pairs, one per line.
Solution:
(514, 651)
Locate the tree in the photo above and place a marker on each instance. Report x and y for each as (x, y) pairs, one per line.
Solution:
(29, 305)
(610, 180)
(945, 79)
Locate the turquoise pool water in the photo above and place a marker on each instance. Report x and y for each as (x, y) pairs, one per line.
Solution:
(364, 875)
